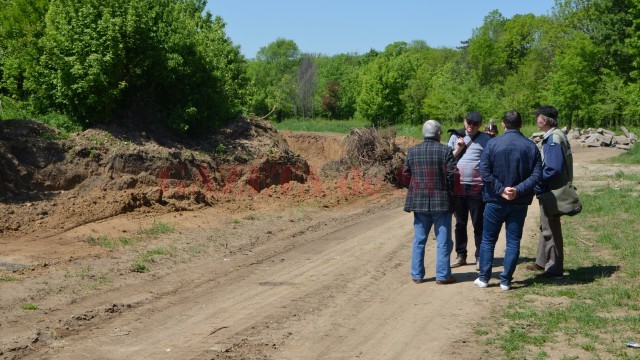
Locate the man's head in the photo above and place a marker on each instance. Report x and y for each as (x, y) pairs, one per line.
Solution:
(546, 117)
(431, 129)
(512, 120)
(472, 122)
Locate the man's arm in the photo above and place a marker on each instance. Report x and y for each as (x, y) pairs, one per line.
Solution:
(553, 160)
(492, 184)
(528, 185)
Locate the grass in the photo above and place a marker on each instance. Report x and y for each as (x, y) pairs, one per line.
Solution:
(12, 109)
(29, 307)
(320, 125)
(158, 228)
(150, 256)
(7, 278)
(408, 130)
(594, 311)
(139, 267)
(109, 243)
(147, 257)
(630, 157)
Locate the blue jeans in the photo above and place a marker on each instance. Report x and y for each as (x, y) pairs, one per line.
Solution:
(441, 223)
(494, 216)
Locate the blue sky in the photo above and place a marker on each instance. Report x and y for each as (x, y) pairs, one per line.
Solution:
(345, 26)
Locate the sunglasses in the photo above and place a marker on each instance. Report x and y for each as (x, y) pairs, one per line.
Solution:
(473, 123)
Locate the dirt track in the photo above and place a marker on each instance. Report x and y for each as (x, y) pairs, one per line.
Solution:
(270, 282)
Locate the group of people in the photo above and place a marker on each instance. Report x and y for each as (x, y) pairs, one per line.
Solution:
(492, 180)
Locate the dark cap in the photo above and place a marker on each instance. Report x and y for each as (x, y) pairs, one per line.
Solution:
(548, 111)
(474, 116)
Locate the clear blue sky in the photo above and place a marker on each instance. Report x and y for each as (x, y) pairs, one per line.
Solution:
(345, 26)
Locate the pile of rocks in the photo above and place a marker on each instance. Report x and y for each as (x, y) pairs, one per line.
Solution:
(597, 137)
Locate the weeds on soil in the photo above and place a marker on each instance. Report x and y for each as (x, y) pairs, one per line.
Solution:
(29, 307)
(158, 228)
(595, 310)
(630, 157)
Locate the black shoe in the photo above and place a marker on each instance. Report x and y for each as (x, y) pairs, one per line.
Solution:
(418, 281)
(548, 275)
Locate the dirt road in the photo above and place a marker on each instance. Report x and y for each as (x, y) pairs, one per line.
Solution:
(298, 282)
(341, 290)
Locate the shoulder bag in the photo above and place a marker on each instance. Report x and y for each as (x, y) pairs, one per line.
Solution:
(562, 201)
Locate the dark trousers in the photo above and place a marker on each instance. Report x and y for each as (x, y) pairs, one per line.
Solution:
(468, 205)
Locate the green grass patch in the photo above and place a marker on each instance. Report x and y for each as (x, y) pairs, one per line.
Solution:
(150, 256)
(29, 307)
(158, 228)
(320, 125)
(128, 241)
(630, 157)
(595, 310)
(408, 130)
(139, 267)
(101, 241)
(7, 278)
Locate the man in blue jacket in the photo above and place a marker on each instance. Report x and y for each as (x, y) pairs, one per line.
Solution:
(510, 167)
(429, 171)
(557, 170)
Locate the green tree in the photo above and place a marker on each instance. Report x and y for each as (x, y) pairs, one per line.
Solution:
(21, 27)
(485, 57)
(275, 66)
(427, 62)
(574, 78)
(338, 84)
(382, 84)
(163, 60)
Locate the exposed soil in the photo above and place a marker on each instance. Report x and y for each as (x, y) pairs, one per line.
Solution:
(268, 259)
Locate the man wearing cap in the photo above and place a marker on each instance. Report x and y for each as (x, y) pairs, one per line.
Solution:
(557, 169)
(467, 151)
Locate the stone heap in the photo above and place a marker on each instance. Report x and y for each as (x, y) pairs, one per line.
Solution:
(596, 137)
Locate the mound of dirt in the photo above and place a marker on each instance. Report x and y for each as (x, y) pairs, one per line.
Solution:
(55, 184)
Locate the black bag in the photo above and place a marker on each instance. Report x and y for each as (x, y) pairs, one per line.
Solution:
(561, 201)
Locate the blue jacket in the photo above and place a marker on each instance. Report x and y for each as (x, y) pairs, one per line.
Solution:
(557, 161)
(510, 160)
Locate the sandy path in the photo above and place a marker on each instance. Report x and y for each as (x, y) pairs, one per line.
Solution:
(345, 293)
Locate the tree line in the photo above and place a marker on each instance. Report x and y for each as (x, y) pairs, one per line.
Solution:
(170, 61)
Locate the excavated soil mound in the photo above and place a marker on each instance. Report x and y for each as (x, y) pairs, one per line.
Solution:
(52, 184)
(55, 184)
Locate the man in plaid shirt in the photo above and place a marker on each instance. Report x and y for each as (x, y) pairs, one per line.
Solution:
(429, 171)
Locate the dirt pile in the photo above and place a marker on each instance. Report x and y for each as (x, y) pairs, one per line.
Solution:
(52, 183)
(58, 183)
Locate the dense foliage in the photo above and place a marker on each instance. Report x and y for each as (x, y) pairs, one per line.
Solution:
(583, 58)
(96, 62)
(170, 61)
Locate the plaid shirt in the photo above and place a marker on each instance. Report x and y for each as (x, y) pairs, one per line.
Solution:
(429, 171)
